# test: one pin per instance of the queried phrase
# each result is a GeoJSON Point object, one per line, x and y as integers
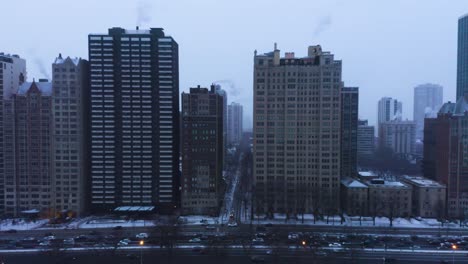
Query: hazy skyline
{"type": "Point", "coordinates": [387, 47]}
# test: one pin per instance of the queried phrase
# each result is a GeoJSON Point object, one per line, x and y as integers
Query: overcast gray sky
{"type": "Point", "coordinates": [387, 46]}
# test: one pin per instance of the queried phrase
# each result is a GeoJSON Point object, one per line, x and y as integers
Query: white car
{"type": "Point", "coordinates": [142, 235]}
{"type": "Point", "coordinates": [232, 224]}
{"type": "Point", "coordinates": [124, 242]}
{"type": "Point", "coordinates": [195, 240]}
{"type": "Point", "coordinates": [336, 245]}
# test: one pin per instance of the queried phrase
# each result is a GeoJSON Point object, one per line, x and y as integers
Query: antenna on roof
{"type": "Point", "coordinates": [137, 28]}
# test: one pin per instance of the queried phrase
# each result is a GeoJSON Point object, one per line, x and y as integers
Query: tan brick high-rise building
{"type": "Point", "coordinates": [297, 108]}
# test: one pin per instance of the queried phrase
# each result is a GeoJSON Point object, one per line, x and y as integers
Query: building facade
{"type": "Point", "coordinates": [400, 136]}
{"type": "Point", "coordinates": [297, 130]}
{"type": "Point", "coordinates": [389, 198]}
{"type": "Point", "coordinates": [202, 151]}
{"type": "Point", "coordinates": [389, 109]}
{"type": "Point", "coordinates": [134, 120]}
{"type": "Point", "coordinates": [354, 197]}
{"type": "Point", "coordinates": [349, 127]}
{"type": "Point", "coordinates": [365, 140]}
{"type": "Point", "coordinates": [28, 119]}
{"type": "Point", "coordinates": [234, 123]}
{"type": "Point", "coordinates": [428, 99]}
{"type": "Point", "coordinates": [428, 197]}
{"type": "Point", "coordinates": [12, 76]}
{"type": "Point", "coordinates": [446, 154]}
{"type": "Point", "coordinates": [69, 168]}
{"type": "Point", "coordinates": [462, 57]}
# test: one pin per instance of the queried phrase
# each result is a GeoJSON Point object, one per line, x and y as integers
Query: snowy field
{"type": "Point", "coordinates": [110, 223]}
{"type": "Point", "coordinates": [198, 220]}
{"type": "Point", "coordinates": [21, 224]}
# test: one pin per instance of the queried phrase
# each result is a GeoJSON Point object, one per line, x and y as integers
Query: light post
{"type": "Point", "coordinates": [454, 247]}
{"type": "Point", "coordinates": [142, 243]}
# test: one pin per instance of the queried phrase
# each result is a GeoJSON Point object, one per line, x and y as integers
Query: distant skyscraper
{"type": "Point", "coordinates": [462, 57]}
{"type": "Point", "coordinates": [70, 95]}
{"type": "Point", "coordinates": [134, 119]}
{"type": "Point", "coordinates": [427, 102]}
{"type": "Point", "coordinates": [12, 76]}
{"type": "Point", "coordinates": [389, 109]}
{"type": "Point", "coordinates": [400, 136]}
{"type": "Point", "coordinates": [349, 124]}
{"type": "Point", "coordinates": [202, 151]}
{"type": "Point", "coordinates": [366, 140]}
{"type": "Point", "coordinates": [234, 125]}
{"type": "Point", "coordinates": [446, 154]}
{"type": "Point", "coordinates": [27, 176]}
{"type": "Point", "coordinates": [297, 130]}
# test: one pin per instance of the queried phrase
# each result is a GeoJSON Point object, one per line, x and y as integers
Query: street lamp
{"type": "Point", "coordinates": [454, 247]}
{"type": "Point", "coordinates": [142, 243]}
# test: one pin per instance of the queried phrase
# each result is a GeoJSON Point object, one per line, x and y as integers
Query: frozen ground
{"type": "Point", "coordinates": [21, 224]}
{"type": "Point", "coordinates": [280, 219]}
{"type": "Point", "coordinates": [110, 223]}
{"type": "Point", "coordinates": [198, 220]}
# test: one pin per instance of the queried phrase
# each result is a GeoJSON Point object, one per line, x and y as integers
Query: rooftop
{"type": "Point", "coordinates": [421, 181]}
{"type": "Point", "coordinates": [353, 183]}
{"type": "Point", "coordinates": [60, 60]}
{"type": "Point", "coordinates": [44, 86]}
{"type": "Point", "coordinates": [458, 108]}
{"type": "Point", "coordinates": [386, 183]}
{"type": "Point", "coordinates": [367, 174]}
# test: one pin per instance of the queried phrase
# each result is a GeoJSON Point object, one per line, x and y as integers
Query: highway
{"type": "Point", "coordinates": [235, 255]}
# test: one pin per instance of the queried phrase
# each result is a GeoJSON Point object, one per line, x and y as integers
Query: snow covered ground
{"type": "Point", "coordinates": [21, 224]}
{"type": "Point", "coordinates": [198, 220]}
{"type": "Point", "coordinates": [110, 223]}
{"type": "Point", "coordinates": [280, 219]}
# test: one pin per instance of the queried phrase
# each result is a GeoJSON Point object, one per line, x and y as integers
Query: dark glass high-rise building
{"type": "Point", "coordinates": [462, 57]}
{"type": "Point", "coordinates": [349, 125]}
{"type": "Point", "coordinates": [134, 120]}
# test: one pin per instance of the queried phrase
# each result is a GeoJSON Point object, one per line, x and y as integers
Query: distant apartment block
{"type": "Point", "coordinates": [400, 136]}
{"type": "Point", "coordinates": [134, 120]}
{"type": "Point", "coordinates": [389, 109]}
{"type": "Point", "coordinates": [221, 92]}
{"type": "Point", "coordinates": [365, 140]}
{"type": "Point", "coordinates": [69, 106]}
{"type": "Point", "coordinates": [427, 102]}
{"type": "Point", "coordinates": [234, 123]}
{"type": "Point", "coordinates": [202, 151]}
{"type": "Point", "coordinates": [349, 130]}
{"type": "Point", "coordinates": [12, 76]}
{"type": "Point", "coordinates": [27, 125]}
{"type": "Point", "coordinates": [297, 131]}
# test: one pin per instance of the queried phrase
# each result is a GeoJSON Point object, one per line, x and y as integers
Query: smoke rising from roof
{"type": "Point", "coordinates": [143, 16]}
{"type": "Point", "coordinates": [42, 68]}
{"type": "Point", "coordinates": [323, 25]}
{"type": "Point", "coordinates": [229, 86]}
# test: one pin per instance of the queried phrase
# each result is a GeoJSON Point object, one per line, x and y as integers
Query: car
{"type": "Point", "coordinates": [44, 244]}
{"type": "Point", "coordinates": [261, 229]}
{"type": "Point", "coordinates": [257, 240]}
{"type": "Point", "coordinates": [210, 227]}
{"type": "Point", "coordinates": [124, 242]}
{"type": "Point", "coordinates": [195, 240]}
{"type": "Point", "coordinates": [269, 225]}
{"type": "Point", "coordinates": [257, 259]}
{"type": "Point", "coordinates": [131, 256]}
{"type": "Point", "coordinates": [117, 228]}
{"type": "Point", "coordinates": [335, 245]}
{"type": "Point", "coordinates": [389, 260]}
{"type": "Point", "coordinates": [269, 252]}
{"type": "Point", "coordinates": [49, 238]}
{"type": "Point", "coordinates": [321, 253]}
{"type": "Point", "coordinates": [232, 224]}
{"type": "Point", "coordinates": [141, 236]}
{"type": "Point", "coordinates": [11, 231]}
{"type": "Point", "coordinates": [69, 241]}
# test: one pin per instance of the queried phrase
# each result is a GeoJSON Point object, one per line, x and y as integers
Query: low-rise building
{"type": "Point", "coordinates": [428, 197]}
{"type": "Point", "coordinates": [354, 196]}
{"type": "Point", "coordinates": [389, 198]}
